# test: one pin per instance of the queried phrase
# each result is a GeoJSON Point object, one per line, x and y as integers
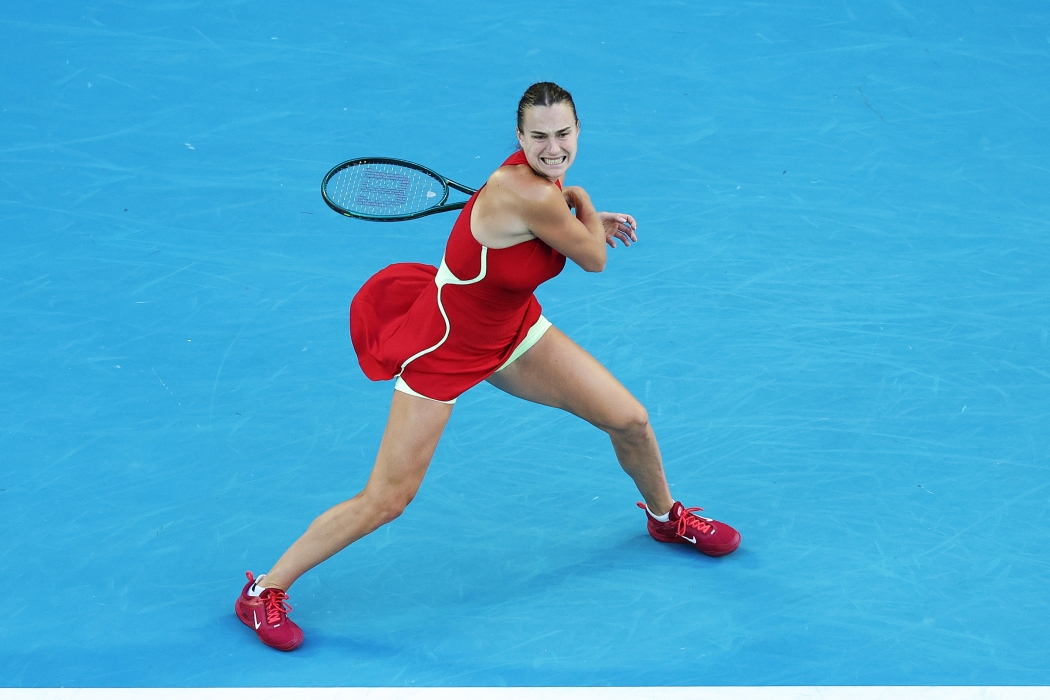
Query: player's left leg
{"type": "Point", "coordinates": [557, 372]}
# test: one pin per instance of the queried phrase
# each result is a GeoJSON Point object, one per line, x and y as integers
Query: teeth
{"type": "Point", "coordinates": [553, 161]}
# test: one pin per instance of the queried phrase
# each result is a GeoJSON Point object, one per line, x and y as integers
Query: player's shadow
{"type": "Point", "coordinates": [633, 552]}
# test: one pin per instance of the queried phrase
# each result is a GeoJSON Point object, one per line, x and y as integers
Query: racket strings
{"type": "Point", "coordinates": [383, 189]}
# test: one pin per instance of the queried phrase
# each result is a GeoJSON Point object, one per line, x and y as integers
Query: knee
{"type": "Point", "coordinates": [631, 423]}
{"type": "Point", "coordinates": [387, 505]}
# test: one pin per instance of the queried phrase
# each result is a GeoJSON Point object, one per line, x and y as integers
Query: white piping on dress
{"type": "Point", "coordinates": [444, 276]}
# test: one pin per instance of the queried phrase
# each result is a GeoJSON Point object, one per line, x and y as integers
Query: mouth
{"type": "Point", "coordinates": [553, 162]}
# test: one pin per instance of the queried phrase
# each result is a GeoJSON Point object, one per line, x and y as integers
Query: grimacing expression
{"type": "Point", "coordinates": [548, 137]}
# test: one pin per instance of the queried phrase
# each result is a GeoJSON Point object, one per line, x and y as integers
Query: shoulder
{"type": "Point", "coordinates": [519, 184]}
{"type": "Point", "coordinates": [516, 202]}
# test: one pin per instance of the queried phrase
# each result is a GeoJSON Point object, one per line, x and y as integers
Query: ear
{"type": "Point", "coordinates": [521, 139]}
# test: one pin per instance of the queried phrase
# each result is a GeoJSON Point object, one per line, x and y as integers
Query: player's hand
{"type": "Point", "coordinates": [622, 226]}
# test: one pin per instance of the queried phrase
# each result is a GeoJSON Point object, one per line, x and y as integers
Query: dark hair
{"type": "Point", "coordinates": [544, 95]}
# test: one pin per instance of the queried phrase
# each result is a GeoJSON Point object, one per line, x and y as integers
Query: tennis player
{"type": "Point", "coordinates": [440, 331]}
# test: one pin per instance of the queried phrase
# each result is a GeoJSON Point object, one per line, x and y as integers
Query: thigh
{"type": "Point", "coordinates": [413, 430]}
{"type": "Point", "coordinates": [557, 372]}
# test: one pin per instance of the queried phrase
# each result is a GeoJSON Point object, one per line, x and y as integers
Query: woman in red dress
{"type": "Point", "coordinates": [440, 331]}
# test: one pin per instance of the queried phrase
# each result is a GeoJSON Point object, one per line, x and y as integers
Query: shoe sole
{"type": "Point", "coordinates": [711, 553]}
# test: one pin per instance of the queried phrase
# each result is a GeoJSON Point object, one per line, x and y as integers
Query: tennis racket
{"type": "Point", "coordinates": [388, 189]}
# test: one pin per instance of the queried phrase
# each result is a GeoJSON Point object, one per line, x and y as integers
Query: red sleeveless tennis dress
{"type": "Point", "coordinates": [443, 330]}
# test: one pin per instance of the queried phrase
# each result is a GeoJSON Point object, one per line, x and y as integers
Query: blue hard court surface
{"type": "Point", "coordinates": [837, 317]}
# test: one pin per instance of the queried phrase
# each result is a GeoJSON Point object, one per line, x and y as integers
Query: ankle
{"type": "Point", "coordinates": [263, 582]}
{"type": "Point", "coordinates": [657, 515]}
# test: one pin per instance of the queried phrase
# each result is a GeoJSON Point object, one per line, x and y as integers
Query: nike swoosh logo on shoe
{"type": "Point", "coordinates": [256, 618]}
{"type": "Point", "coordinates": [690, 539]}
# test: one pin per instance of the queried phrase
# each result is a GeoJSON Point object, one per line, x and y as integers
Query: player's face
{"type": "Point", "coordinates": [548, 138]}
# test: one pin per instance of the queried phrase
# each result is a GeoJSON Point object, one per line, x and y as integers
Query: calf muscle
{"type": "Point", "coordinates": [412, 433]}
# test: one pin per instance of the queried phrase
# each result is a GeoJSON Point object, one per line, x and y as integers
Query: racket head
{"type": "Point", "coordinates": [384, 189]}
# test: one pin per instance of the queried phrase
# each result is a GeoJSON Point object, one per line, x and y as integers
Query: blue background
{"type": "Point", "coordinates": [837, 316]}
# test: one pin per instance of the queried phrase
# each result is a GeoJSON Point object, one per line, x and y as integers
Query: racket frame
{"type": "Point", "coordinates": [441, 206]}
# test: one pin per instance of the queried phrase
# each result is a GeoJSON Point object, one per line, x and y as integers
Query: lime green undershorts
{"type": "Point", "coordinates": [531, 338]}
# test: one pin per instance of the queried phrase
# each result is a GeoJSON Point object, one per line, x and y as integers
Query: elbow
{"type": "Point", "coordinates": [594, 264]}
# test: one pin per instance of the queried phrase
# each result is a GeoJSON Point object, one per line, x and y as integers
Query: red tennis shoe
{"type": "Point", "coordinates": [711, 537]}
{"type": "Point", "coordinates": [267, 614]}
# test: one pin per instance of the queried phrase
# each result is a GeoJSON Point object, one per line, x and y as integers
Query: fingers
{"type": "Point", "coordinates": [610, 238]}
{"type": "Point", "coordinates": [627, 225]}
{"type": "Point", "coordinates": [621, 226]}
{"type": "Point", "coordinates": [625, 230]}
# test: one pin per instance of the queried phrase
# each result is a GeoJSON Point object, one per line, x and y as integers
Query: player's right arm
{"type": "Point", "coordinates": [547, 213]}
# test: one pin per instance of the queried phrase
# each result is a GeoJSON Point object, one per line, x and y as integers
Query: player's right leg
{"type": "Point", "coordinates": [412, 432]}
